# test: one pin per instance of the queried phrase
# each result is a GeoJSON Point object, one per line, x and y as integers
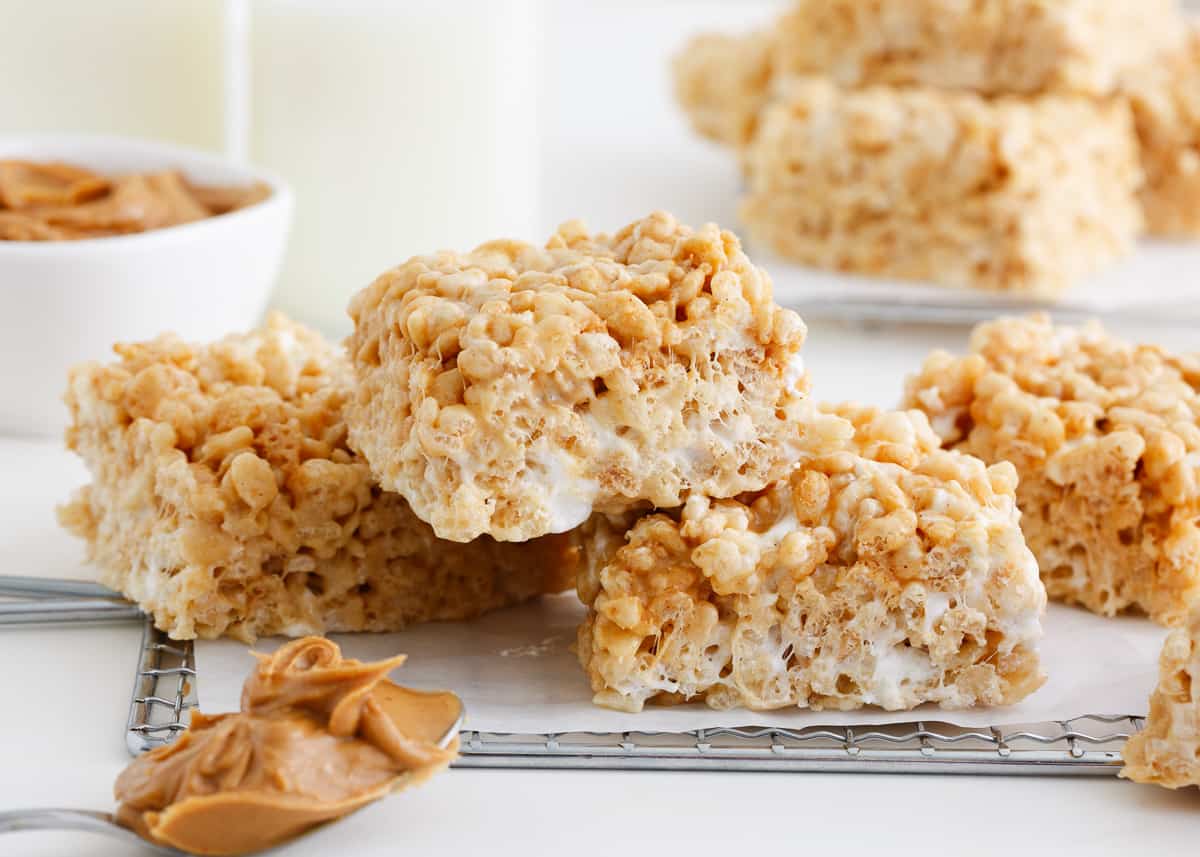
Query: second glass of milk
{"type": "Point", "coordinates": [404, 128]}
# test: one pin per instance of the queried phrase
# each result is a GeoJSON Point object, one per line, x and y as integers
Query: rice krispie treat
{"type": "Point", "coordinates": [1022, 195]}
{"type": "Point", "coordinates": [884, 571]}
{"type": "Point", "coordinates": [1106, 439]}
{"type": "Point", "coordinates": [1167, 751]}
{"type": "Point", "coordinates": [1165, 98]}
{"type": "Point", "coordinates": [723, 82]}
{"type": "Point", "coordinates": [992, 47]}
{"type": "Point", "coordinates": [224, 499]}
{"type": "Point", "coordinates": [513, 390]}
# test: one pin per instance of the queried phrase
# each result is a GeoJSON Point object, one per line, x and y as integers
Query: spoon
{"type": "Point", "coordinates": [105, 823]}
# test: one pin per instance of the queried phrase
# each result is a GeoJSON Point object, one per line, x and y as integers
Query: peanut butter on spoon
{"type": "Point", "coordinates": [318, 736]}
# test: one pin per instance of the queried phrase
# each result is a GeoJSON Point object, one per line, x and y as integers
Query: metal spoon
{"type": "Point", "coordinates": [105, 823]}
{"type": "Point", "coordinates": [87, 820]}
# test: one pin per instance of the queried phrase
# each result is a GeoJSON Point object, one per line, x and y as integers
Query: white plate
{"type": "Point", "coordinates": [1159, 283]}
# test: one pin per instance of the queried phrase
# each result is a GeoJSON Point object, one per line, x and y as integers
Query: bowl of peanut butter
{"type": "Point", "coordinates": [106, 239]}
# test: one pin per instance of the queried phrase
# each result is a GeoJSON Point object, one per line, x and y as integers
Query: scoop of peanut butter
{"type": "Point", "coordinates": [61, 202]}
{"type": "Point", "coordinates": [318, 737]}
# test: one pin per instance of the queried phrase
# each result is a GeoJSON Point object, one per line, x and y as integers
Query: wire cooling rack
{"type": "Point", "coordinates": [165, 693]}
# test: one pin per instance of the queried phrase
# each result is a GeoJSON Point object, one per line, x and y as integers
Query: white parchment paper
{"type": "Point", "coordinates": [516, 672]}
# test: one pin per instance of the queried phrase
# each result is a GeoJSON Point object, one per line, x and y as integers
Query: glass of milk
{"type": "Point", "coordinates": [403, 127]}
{"type": "Point", "coordinates": [142, 68]}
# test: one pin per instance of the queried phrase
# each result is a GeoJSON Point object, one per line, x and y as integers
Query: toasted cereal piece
{"type": "Point", "coordinates": [993, 47]}
{"type": "Point", "coordinates": [723, 82]}
{"type": "Point", "coordinates": [886, 571]}
{"type": "Point", "coordinates": [224, 499]}
{"type": "Point", "coordinates": [514, 389]}
{"type": "Point", "coordinates": [1106, 439]}
{"type": "Point", "coordinates": [1167, 751]}
{"type": "Point", "coordinates": [1021, 195]}
{"type": "Point", "coordinates": [1165, 98]}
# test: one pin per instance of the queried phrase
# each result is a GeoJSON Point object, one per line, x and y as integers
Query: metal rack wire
{"type": "Point", "coordinates": [1084, 745]}
{"type": "Point", "coordinates": [165, 693]}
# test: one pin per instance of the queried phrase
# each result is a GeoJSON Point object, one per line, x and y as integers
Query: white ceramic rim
{"type": "Point", "coordinates": [281, 192]}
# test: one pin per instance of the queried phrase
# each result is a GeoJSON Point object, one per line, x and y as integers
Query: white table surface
{"type": "Point", "coordinates": [65, 691]}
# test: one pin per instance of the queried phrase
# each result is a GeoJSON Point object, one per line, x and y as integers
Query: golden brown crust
{"type": "Point", "coordinates": [1009, 194]}
{"type": "Point", "coordinates": [1167, 751]}
{"type": "Point", "coordinates": [1165, 97]}
{"type": "Point", "coordinates": [514, 389]}
{"type": "Point", "coordinates": [225, 500]}
{"type": "Point", "coordinates": [883, 571]}
{"type": "Point", "coordinates": [993, 47]}
{"type": "Point", "coordinates": [1106, 439]}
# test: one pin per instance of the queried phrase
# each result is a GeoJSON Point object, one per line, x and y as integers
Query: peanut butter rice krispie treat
{"type": "Point", "coordinates": [723, 82]}
{"type": "Point", "coordinates": [224, 499]}
{"type": "Point", "coordinates": [514, 389]}
{"type": "Point", "coordinates": [1106, 439]}
{"type": "Point", "coordinates": [1165, 98]}
{"type": "Point", "coordinates": [993, 47]}
{"type": "Point", "coordinates": [1167, 751]}
{"type": "Point", "coordinates": [1021, 195]}
{"type": "Point", "coordinates": [884, 571]}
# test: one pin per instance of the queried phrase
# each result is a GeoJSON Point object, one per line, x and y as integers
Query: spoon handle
{"type": "Point", "coordinates": [17, 820]}
{"type": "Point", "coordinates": [55, 819]}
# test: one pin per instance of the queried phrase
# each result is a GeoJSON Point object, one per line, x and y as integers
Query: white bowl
{"type": "Point", "coordinates": [63, 302]}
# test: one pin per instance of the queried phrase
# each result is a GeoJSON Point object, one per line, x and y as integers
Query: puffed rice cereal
{"type": "Point", "coordinates": [1106, 438]}
{"type": "Point", "coordinates": [993, 47]}
{"type": "Point", "coordinates": [224, 499]}
{"type": "Point", "coordinates": [1014, 194]}
{"type": "Point", "coordinates": [513, 390]}
{"type": "Point", "coordinates": [1167, 750]}
{"type": "Point", "coordinates": [884, 571]}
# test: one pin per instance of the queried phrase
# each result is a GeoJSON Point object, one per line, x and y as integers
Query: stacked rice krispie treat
{"type": "Point", "coordinates": [744, 547]}
{"type": "Point", "coordinates": [993, 47]}
{"type": "Point", "coordinates": [1009, 194]}
{"type": "Point", "coordinates": [515, 390]}
{"type": "Point", "coordinates": [637, 399]}
{"type": "Point", "coordinates": [883, 571]}
{"type": "Point", "coordinates": [225, 499]}
{"type": "Point", "coordinates": [1167, 750]}
{"type": "Point", "coordinates": [956, 142]}
{"type": "Point", "coordinates": [1106, 439]}
{"type": "Point", "coordinates": [1165, 98]}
